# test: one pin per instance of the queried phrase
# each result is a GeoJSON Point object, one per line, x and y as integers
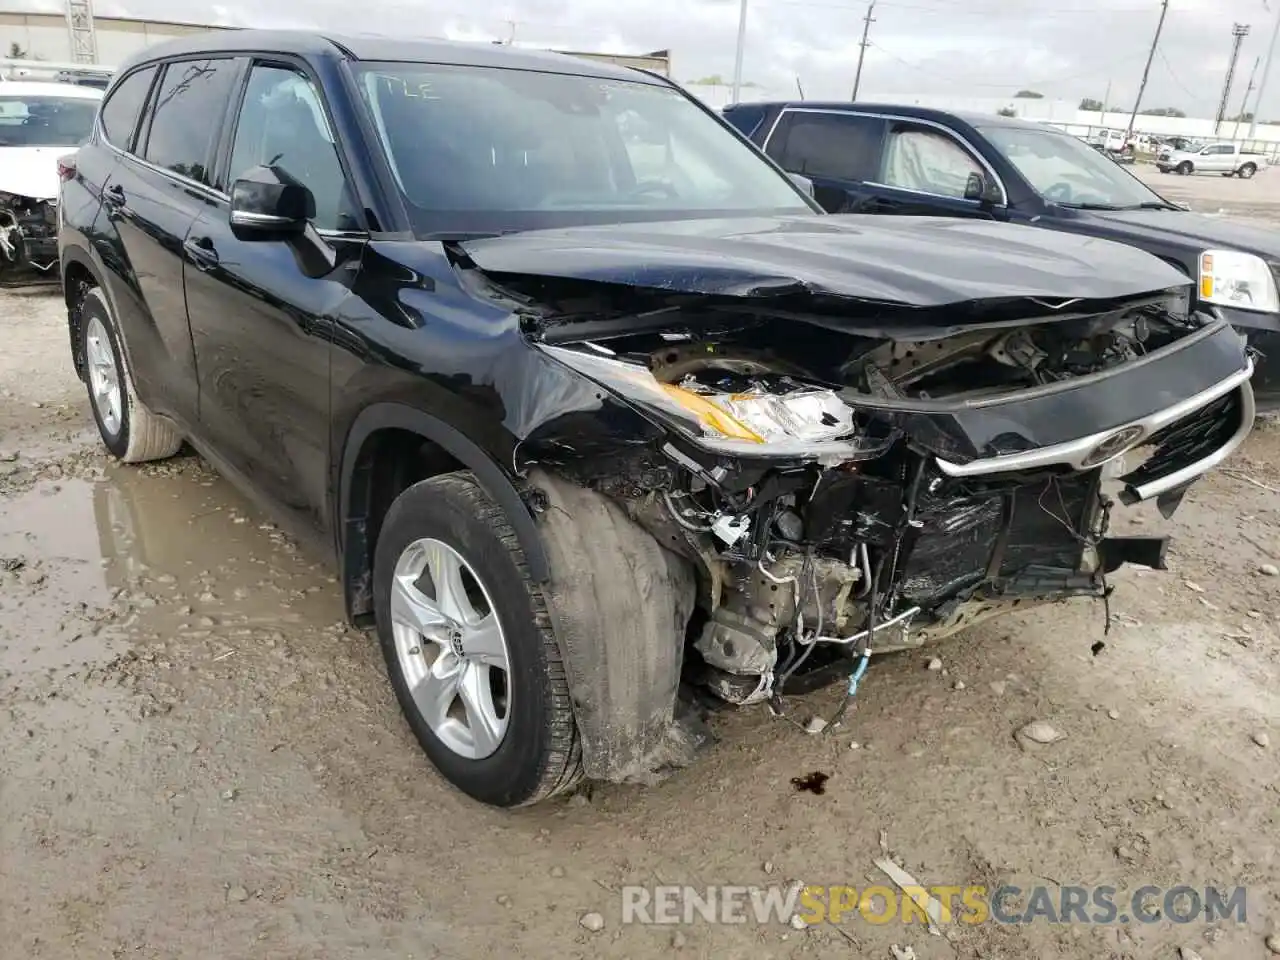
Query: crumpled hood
{"type": "Point", "coordinates": [914, 261]}
{"type": "Point", "coordinates": [31, 171]}
{"type": "Point", "coordinates": [1195, 229]}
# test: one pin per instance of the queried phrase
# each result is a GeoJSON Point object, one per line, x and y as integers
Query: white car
{"type": "Point", "coordinates": [1112, 140]}
{"type": "Point", "coordinates": [40, 122]}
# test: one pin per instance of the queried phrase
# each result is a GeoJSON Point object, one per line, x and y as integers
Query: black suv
{"type": "Point", "coordinates": [601, 419]}
{"type": "Point", "coordinates": [881, 158]}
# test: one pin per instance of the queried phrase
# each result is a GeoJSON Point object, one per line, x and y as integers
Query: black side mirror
{"type": "Point", "coordinates": [803, 182]}
{"type": "Point", "coordinates": [266, 203]}
{"type": "Point", "coordinates": [977, 188]}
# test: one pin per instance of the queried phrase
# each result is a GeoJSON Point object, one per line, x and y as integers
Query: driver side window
{"type": "Point", "coordinates": [282, 124]}
{"type": "Point", "coordinates": [927, 161]}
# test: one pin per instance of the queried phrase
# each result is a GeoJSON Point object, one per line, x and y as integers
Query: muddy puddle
{"type": "Point", "coordinates": [161, 558]}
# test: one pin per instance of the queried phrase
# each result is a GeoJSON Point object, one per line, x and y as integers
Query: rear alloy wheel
{"type": "Point", "coordinates": [469, 647]}
{"type": "Point", "coordinates": [1184, 167]}
{"type": "Point", "coordinates": [129, 431]}
{"type": "Point", "coordinates": [1247, 171]}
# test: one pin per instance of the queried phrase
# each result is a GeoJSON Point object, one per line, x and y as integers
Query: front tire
{"type": "Point", "coordinates": [129, 431]}
{"type": "Point", "coordinates": [1184, 168]}
{"type": "Point", "coordinates": [469, 647]}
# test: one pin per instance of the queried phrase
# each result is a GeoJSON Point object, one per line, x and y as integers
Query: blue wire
{"type": "Point", "coordinates": [857, 673]}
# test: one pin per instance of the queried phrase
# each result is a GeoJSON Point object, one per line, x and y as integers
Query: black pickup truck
{"type": "Point", "coordinates": [873, 158]}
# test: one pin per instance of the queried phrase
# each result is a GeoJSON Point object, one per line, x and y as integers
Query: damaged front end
{"type": "Point", "coordinates": [848, 477]}
{"type": "Point", "coordinates": [28, 239]}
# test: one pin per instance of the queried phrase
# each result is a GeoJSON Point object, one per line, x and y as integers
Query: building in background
{"type": "Point", "coordinates": [45, 36]}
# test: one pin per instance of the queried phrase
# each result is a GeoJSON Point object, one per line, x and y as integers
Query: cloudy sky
{"type": "Point", "coordinates": [990, 48]}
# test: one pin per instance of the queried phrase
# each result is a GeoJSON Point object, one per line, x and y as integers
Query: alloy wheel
{"type": "Point", "coordinates": [104, 377]}
{"type": "Point", "coordinates": [451, 648]}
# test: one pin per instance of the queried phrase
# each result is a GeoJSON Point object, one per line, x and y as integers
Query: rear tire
{"type": "Point", "coordinates": [130, 432]}
{"type": "Point", "coordinates": [1185, 168]}
{"type": "Point", "coordinates": [515, 742]}
{"type": "Point", "coordinates": [1247, 171]}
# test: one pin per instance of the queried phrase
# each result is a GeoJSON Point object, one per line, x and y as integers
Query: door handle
{"type": "Point", "coordinates": [201, 252]}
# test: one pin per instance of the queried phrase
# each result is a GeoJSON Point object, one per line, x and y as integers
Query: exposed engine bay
{"type": "Point", "coordinates": [871, 520]}
{"type": "Point", "coordinates": [854, 434]}
{"type": "Point", "coordinates": [28, 239]}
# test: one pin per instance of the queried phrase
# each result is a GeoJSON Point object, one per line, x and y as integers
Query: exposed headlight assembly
{"type": "Point", "coordinates": [1230, 278]}
{"type": "Point", "coordinates": [805, 422]}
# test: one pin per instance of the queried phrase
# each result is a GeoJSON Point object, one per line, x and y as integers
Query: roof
{"type": "Point", "coordinates": [905, 110]}
{"type": "Point", "coordinates": [376, 48]}
{"type": "Point", "coordinates": [48, 88]}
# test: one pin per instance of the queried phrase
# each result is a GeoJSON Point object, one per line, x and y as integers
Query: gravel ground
{"type": "Point", "coordinates": [199, 760]}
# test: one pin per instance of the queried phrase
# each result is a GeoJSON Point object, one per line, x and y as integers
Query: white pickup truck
{"type": "Point", "coordinates": [1227, 159]}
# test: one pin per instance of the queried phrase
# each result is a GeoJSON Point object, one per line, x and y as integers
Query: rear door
{"type": "Point", "coordinates": [157, 190]}
{"type": "Point", "coordinates": [839, 152]}
{"type": "Point", "coordinates": [258, 319]}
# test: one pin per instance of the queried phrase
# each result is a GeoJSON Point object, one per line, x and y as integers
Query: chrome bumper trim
{"type": "Point", "coordinates": [1074, 453]}
{"type": "Point", "coordinates": [1248, 410]}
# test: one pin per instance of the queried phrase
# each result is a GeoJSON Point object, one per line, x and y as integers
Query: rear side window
{"type": "Point", "coordinates": [189, 106]}
{"type": "Point", "coordinates": [839, 146]}
{"type": "Point", "coordinates": [123, 106]}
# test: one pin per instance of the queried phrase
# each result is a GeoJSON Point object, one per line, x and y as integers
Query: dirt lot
{"type": "Point", "coordinates": [199, 760]}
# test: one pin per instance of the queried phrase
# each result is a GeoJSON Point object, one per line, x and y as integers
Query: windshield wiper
{"type": "Point", "coordinates": [1155, 205]}
{"type": "Point", "coordinates": [1093, 206]}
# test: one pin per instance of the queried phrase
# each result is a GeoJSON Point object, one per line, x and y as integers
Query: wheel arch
{"type": "Point", "coordinates": [356, 498]}
{"type": "Point", "coordinates": [78, 272]}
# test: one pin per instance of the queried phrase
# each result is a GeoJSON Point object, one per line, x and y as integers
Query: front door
{"type": "Point", "coordinates": [1218, 158]}
{"type": "Point", "coordinates": [259, 319]}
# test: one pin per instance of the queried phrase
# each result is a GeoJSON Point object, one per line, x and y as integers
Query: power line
{"type": "Point", "coordinates": [1041, 82]}
{"type": "Point", "coordinates": [1174, 77]}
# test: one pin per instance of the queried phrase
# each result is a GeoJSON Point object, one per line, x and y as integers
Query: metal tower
{"type": "Point", "coordinates": [1238, 32]}
{"type": "Point", "coordinates": [84, 42]}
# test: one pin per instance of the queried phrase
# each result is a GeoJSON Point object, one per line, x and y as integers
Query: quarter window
{"type": "Point", "coordinates": [123, 106]}
{"type": "Point", "coordinates": [928, 162]}
{"type": "Point", "coordinates": [189, 107]}
{"type": "Point", "coordinates": [283, 125]}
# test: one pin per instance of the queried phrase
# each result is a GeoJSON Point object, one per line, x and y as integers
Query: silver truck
{"type": "Point", "coordinates": [1228, 159]}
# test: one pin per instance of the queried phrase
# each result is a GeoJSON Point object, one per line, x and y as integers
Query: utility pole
{"type": "Point", "coordinates": [1106, 98]}
{"type": "Point", "coordinates": [867, 21]}
{"type": "Point", "coordinates": [1266, 72]}
{"type": "Point", "coordinates": [1244, 102]}
{"type": "Point", "coordinates": [1146, 71]}
{"type": "Point", "coordinates": [1238, 32]}
{"type": "Point", "coordinates": [742, 45]}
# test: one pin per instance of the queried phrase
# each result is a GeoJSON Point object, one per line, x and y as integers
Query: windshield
{"type": "Point", "coordinates": [490, 150]}
{"type": "Point", "coordinates": [42, 121]}
{"type": "Point", "coordinates": [1063, 169]}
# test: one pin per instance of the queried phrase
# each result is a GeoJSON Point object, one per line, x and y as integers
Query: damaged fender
{"type": "Point", "coordinates": [619, 604]}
